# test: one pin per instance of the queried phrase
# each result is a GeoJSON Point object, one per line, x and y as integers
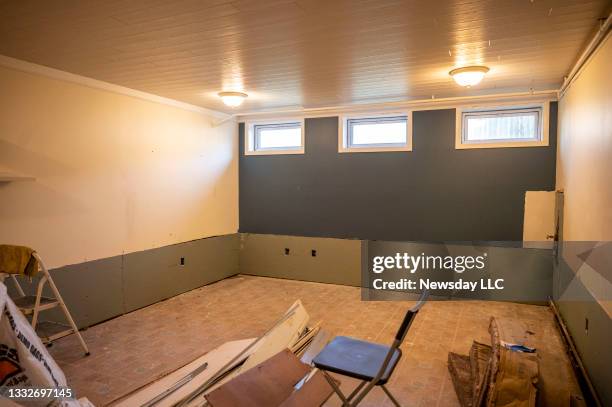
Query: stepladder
{"type": "Point", "coordinates": [32, 306]}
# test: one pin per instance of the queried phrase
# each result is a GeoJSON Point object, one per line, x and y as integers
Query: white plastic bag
{"type": "Point", "coordinates": [24, 361]}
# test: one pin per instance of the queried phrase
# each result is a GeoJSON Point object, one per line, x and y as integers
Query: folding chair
{"type": "Point", "coordinates": [369, 362]}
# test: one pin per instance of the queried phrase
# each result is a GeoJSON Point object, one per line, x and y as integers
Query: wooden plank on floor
{"type": "Point", "coordinates": [282, 337]}
{"type": "Point", "coordinates": [265, 385]}
{"type": "Point", "coordinates": [313, 392]}
{"type": "Point", "coordinates": [216, 359]}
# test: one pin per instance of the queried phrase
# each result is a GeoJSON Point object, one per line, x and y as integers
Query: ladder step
{"type": "Point", "coordinates": [26, 303]}
{"type": "Point", "coordinates": [49, 331]}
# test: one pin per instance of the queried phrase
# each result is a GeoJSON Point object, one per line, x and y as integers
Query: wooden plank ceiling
{"type": "Point", "coordinates": [302, 53]}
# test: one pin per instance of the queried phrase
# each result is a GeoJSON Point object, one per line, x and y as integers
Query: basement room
{"type": "Point", "coordinates": [303, 203]}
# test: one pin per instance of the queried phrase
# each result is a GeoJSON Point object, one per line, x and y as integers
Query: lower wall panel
{"type": "Point", "coordinates": [336, 261]}
{"type": "Point", "coordinates": [93, 291]}
{"type": "Point", "coordinates": [588, 319]}
{"type": "Point", "coordinates": [153, 275]}
{"type": "Point", "coordinates": [527, 272]}
{"type": "Point", "coordinates": [592, 344]}
{"type": "Point", "coordinates": [102, 289]}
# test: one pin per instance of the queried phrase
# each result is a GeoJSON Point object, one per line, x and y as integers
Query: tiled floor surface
{"type": "Point", "coordinates": [132, 350]}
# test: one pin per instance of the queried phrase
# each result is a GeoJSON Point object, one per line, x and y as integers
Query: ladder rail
{"type": "Point", "coordinates": [39, 289]}
{"type": "Point", "coordinates": [59, 298]}
{"type": "Point", "coordinates": [17, 285]}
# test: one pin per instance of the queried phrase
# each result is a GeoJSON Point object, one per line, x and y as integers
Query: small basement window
{"type": "Point", "coordinates": [374, 133]}
{"type": "Point", "coordinates": [502, 127]}
{"type": "Point", "coordinates": [276, 137]}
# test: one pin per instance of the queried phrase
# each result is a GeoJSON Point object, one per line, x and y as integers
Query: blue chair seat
{"type": "Point", "coordinates": [356, 358]}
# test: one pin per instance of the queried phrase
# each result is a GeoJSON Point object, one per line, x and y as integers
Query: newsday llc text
{"type": "Point", "coordinates": [412, 264]}
{"type": "Point", "coordinates": [428, 284]}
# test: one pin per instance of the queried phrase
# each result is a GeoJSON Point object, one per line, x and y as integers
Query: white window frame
{"type": "Point", "coordinates": [249, 137]}
{"type": "Point", "coordinates": [543, 125]}
{"type": "Point", "coordinates": [343, 142]}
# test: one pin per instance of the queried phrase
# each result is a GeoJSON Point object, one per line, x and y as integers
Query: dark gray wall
{"type": "Point", "coordinates": [102, 289]}
{"type": "Point", "coordinates": [434, 193]}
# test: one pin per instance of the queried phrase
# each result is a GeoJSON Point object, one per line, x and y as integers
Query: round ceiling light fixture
{"type": "Point", "coordinates": [232, 99]}
{"type": "Point", "coordinates": [469, 75]}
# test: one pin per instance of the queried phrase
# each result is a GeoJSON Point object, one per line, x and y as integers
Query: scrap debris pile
{"type": "Point", "coordinates": [272, 370]}
{"type": "Point", "coordinates": [511, 372]}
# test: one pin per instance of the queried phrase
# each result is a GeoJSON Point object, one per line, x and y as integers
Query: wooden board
{"type": "Point", "coordinates": [312, 393]}
{"type": "Point", "coordinates": [318, 343]}
{"type": "Point", "coordinates": [285, 334]}
{"type": "Point", "coordinates": [302, 343]}
{"type": "Point", "coordinates": [266, 385]}
{"type": "Point", "coordinates": [216, 359]}
{"type": "Point", "coordinates": [280, 338]}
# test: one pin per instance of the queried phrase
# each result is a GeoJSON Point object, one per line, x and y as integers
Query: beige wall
{"type": "Point", "coordinates": [584, 164]}
{"type": "Point", "coordinates": [113, 173]}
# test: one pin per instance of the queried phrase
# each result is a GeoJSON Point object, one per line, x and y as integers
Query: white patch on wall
{"type": "Point", "coordinates": [539, 220]}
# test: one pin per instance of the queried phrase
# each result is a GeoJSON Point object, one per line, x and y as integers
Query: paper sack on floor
{"type": "Point", "coordinates": [24, 360]}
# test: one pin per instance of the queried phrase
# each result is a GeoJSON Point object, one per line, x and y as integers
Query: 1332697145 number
{"type": "Point", "coordinates": [36, 392]}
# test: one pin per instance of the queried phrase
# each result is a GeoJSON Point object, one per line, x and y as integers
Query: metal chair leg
{"type": "Point", "coordinates": [346, 401]}
{"type": "Point", "coordinates": [359, 387]}
{"type": "Point", "coordinates": [337, 390]}
{"type": "Point", "coordinates": [390, 396]}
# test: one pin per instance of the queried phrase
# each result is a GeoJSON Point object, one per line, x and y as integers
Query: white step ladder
{"type": "Point", "coordinates": [34, 304]}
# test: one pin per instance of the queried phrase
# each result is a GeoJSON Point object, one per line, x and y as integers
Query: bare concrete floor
{"type": "Point", "coordinates": [132, 350]}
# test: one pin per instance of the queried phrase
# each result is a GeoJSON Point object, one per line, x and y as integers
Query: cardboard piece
{"type": "Point", "coordinates": [506, 375]}
{"type": "Point", "coordinates": [480, 359]}
{"type": "Point", "coordinates": [514, 375]}
{"type": "Point", "coordinates": [459, 368]}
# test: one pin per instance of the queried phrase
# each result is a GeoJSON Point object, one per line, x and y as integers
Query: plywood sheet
{"type": "Point", "coordinates": [312, 393]}
{"type": "Point", "coordinates": [265, 385]}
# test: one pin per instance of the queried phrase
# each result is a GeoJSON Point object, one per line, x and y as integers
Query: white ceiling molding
{"type": "Point", "coordinates": [601, 36]}
{"type": "Point", "coordinates": [414, 105]}
{"type": "Point", "coordinates": [29, 67]}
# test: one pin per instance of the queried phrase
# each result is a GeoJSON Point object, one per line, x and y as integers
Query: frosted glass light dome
{"type": "Point", "coordinates": [469, 76]}
{"type": "Point", "coordinates": [232, 99]}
